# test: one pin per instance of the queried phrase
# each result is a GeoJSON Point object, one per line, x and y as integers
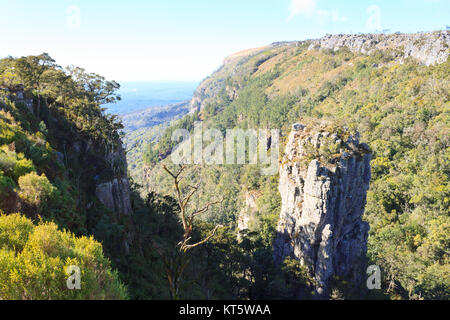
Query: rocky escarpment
{"type": "Point", "coordinates": [105, 178]}
{"type": "Point", "coordinates": [17, 95]}
{"type": "Point", "coordinates": [324, 178]}
{"type": "Point", "coordinates": [427, 48]}
{"type": "Point", "coordinates": [115, 195]}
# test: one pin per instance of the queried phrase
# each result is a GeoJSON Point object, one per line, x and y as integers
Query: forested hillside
{"type": "Point", "coordinates": [398, 104]}
{"type": "Point", "coordinates": [65, 201]}
{"type": "Point", "coordinates": [56, 146]}
{"type": "Point", "coordinates": [208, 231]}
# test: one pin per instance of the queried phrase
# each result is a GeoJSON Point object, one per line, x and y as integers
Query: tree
{"type": "Point", "coordinates": [175, 265]}
{"type": "Point", "coordinates": [96, 88]}
{"type": "Point", "coordinates": [9, 78]}
{"type": "Point", "coordinates": [32, 71]}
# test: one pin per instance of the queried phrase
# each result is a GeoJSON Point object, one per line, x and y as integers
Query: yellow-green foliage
{"type": "Point", "coordinates": [14, 164]}
{"type": "Point", "coordinates": [41, 176]}
{"type": "Point", "coordinates": [34, 260]}
{"type": "Point", "coordinates": [34, 188]}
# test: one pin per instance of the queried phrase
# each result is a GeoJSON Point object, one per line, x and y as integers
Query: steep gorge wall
{"type": "Point", "coordinates": [114, 194]}
{"type": "Point", "coordinates": [103, 173]}
{"type": "Point", "coordinates": [322, 204]}
{"type": "Point", "coordinates": [88, 170]}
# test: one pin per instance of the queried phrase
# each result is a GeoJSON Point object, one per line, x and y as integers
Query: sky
{"type": "Point", "coordinates": [186, 40]}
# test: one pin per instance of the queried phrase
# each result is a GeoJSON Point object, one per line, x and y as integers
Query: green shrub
{"type": "Point", "coordinates": [23, 167]}
{"type": "Point", "coordinates": [35, 189]}
{"type": "Point", "coordinates": [34, 260]}
{"type": "Point", "coordinates": [14, 232]}
{"type": "Point", "coordinates": [5, 182]}
{"type": "Point", "coordinates": [14, 164]}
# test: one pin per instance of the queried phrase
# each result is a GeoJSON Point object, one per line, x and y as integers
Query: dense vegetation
{"type": "Point", "coordinates": [34, 261]}
{"type": "Point", "coordinates": [46, 130]}
{"type": "Point", "coordinates": [47, 115]}
{"type": "Point", "coordinates": [222, 268]}
{"type": "Point", "coordinates": [401, 111]}
{"type": "Point", "coordinates": [56, 144]}
{"type": "Point", "coordinates": [143, 127]}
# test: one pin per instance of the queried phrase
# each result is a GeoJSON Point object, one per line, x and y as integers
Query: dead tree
{"type": "Point", "coordinates": [175, 264]}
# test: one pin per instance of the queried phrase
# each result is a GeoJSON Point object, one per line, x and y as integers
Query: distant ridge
{"type": "Point", "coordinates": [427, 48]}
{"type": "Point", "coordinates": [154, 116]}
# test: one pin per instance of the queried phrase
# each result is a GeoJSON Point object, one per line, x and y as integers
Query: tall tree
{"type": "Point", "coordinates": [32, 69]}
{"type": "Point", "coordinates": [8, 74]}
{"type": "Point", "coordinates": [96, 88]}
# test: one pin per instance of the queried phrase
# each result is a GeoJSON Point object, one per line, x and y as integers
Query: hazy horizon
{"type": "Point", "coordinates": [140, 95]}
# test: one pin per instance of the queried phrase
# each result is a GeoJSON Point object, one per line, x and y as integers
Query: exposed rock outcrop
{"type": "Point", "coordinates": [18, 95]}
{"type": "Point", "coordinates": [427, 48]}
{"type": "Point", "coordinates": [247, 213]}
{"type": "Point", "coordinates": [323, 198]}
{"type": "Point", "coordinates": [116, 194]}
{"type": "Point", "coordinates": [106, 175]}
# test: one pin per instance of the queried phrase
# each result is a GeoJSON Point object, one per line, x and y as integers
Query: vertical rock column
{"type": "Point", "coordinates": [323, 198]}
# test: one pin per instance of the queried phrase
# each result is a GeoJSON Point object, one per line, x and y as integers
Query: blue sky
{"type": "Point", "coordinates": [186, 40]}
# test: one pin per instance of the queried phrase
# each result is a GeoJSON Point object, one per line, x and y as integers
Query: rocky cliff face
{"type": "Point", "coordinates": [105, 176]}
{"type": "Point", "coordinates": [323, 198]}
{"type": "Point", "coordinates": [115, 194]}
{"type": "Point", "coordinates": [427, 48]}
{"type": "Point", "coordinates": [18, 96]}
{"type": "Point", "coordinates": [114, 191]}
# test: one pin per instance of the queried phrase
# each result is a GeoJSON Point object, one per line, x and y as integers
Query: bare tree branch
{"type": "Point", "coordinates": [186, 247]}
{"type": "Point", "coordinates": [205, 208]}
